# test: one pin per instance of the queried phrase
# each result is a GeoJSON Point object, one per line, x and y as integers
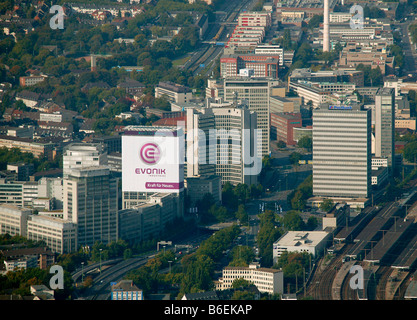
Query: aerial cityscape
{"type": "Point", "coordinates": [171, 150]}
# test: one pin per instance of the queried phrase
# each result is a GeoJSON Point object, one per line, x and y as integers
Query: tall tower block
{"type": "Point", "coordinates": [326, 31]}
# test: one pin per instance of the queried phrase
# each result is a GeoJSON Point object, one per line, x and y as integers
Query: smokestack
{"type": "Point", "coordinates": [93, 63]}
{"type": "Point", "coordinates": [326, 31]}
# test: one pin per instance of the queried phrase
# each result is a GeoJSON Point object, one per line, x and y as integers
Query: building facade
{"type": "Point", "coordinates": [256, 92]}
{"type": "Point", "coordinates": [59, 235]}
{"type": "Point", "coordinates": [342, 151]}
{"type": "Point", "coordinates": [282, 125]}
{"type": "Point", "coordinates": [266, 280]}
{"type": "Point", "coordinates": [79, 155]}
{"type": "Point", "coordinates": [91, 201]}
{"type": "Point", "coordinates": [385, 125]}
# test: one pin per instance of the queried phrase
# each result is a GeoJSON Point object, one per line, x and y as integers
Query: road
{"type": "Point", "coordinates": [410, 54]}
{"type": "Point", "coordinates": [115, 270]}
{"type": "Point", "coordinates": [204, 58]}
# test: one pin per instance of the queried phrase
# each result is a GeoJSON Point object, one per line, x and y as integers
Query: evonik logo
{"type": "Point", "coordinates": [150, 153]}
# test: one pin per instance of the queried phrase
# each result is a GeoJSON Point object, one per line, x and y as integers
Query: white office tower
{"type": "Point", "coordinates": [79, 155]}
{"type": "Point", "coordinates": [256, 92]}
{"type": "Point", "coordinates": [90, 201]}
{"type": "Point", "coordinates": [385, 125]}
{"type": "Point", "coordinates": [342, 151]}
{"type": "Point", "coordinates": [231, 143]}
{"type": "Point", "coordinates": [326, 30]}
{"type": "Point", "coordinates": [201, 155]}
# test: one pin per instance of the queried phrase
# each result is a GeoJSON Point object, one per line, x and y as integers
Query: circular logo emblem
{"type": "Point", "coordinates": [150, 153]}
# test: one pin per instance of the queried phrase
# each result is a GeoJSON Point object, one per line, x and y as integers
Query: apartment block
{"type": "Point", "coordinates": [173, 92]}
{"type": "Point", "coordinates": [38, 149]}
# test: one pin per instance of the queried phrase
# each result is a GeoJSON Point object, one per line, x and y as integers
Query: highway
{"type": "Point", "coordinates": [115, 270]}
{"type": "Point", "coordinates": [410, 54]}
{"type": "Point", "coordinates": [204, 58]}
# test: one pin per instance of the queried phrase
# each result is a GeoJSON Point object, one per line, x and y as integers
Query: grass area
{"type": "Point", "coordinates": [181, 61]}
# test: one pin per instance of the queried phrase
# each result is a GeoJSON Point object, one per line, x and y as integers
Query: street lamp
{"type": "Point", "coordinates": [100, 260]}
{"type": "Point", "coordinates": [82, 271]}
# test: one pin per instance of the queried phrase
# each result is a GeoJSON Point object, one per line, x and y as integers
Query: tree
{"type": "Point", "coordinates": [410, 151]}
{"type": "Point", "coordinates": [241, 283]}
{"type": "Point", "coordinates": [295, 157]}
{"type": "Point", "coordinates": [305, 142]}
{"type": "Point", "coordinates": [326, 205]}
{"type": "Point", "coordinates": [242, 256]}
{"type": "Point", "coordinates": [293, 221]}
{"type": "Point", "coordinates": [315, 21]}
{"type": "Point", "coordinates": [267, 235]}
{"type": "Point", "coordinates": [241, 214]}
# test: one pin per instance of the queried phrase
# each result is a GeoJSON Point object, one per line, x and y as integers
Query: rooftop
{"type": "Point", "coordinates": [297, 238]}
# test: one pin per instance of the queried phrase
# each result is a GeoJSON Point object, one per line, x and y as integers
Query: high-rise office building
{"type": "Point", "coordinates": [385, 125]}
{"type": "Point", "coordinates": [90, 201]}
{"type": "Point", "coordinates": [326, 30]}
{"type": "Point", "coordinates": [78, 155]}
{"type": "Point", "coordinates": [256, 92]}
{"type": "Point", "coordinates": [342, 151]}
{"type": "Point", "coordinates": [230, 146]}
{"type": "Point", "coordinates": [200, 156]}
{"type": "Point", "coordinates": [153, 162]}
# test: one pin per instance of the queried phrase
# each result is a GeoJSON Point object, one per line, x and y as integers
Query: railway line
{"type": "Point", "coordinates": [382, 242]}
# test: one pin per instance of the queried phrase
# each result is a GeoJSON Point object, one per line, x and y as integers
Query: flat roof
{"type": "Point", "coordinates": [305, 238]}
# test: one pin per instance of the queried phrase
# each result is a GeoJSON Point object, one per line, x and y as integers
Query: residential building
{"type": "Point", "coordinates": [31, 80]}
{"type": "Point", "coordinates": [38, 149]}
{"type": "Point", "coordinates": [173, 92]}
{"type": "Point", "coordinates": [21, 263]}
{"type": "Point", "coordinates": [126, 290]}
{"type": "Point", "coordinates": [342, 151]}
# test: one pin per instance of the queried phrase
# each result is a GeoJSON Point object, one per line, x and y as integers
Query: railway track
{"type": "Point", "coordinates": [321, 285]}
{"type": "Point", "coordinates": [382, 276]}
